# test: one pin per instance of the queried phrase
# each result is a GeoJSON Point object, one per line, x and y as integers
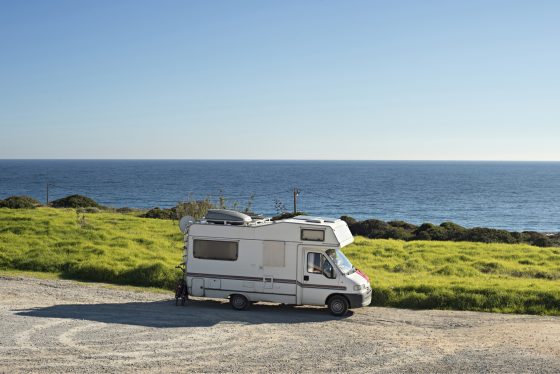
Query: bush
{"type": "Point", "coordinates": [75, 201]}
{"type": "Point", "coordinates": [349, 220]}
{"type": "Point", "coordinates": [159, 213]}
{"type": "Point", "coordinates": [484, 235]}
{"type": "Point", "coordinates": [447, 231]}
{"type": "Point", "coordinates": [126, 210]}
{"type": "Point", "coordinates": [427, 231]}
{"type": "Point", "coordinates": [453, 231]}
{"type": "Point", "coordinates": [19, 202]}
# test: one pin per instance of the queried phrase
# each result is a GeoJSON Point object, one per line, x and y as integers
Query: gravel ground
{"type": "Point", "coordinates": [63, 326]}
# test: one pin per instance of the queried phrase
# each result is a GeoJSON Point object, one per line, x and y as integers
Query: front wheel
{"type": "Point", "coordinates": [238, 302]}
{"type": "Point", "coordinates": [338, 305]}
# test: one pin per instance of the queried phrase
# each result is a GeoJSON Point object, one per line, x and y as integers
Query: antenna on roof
{"type": "Point", "coordinates": [185, 222]}
{"type": "Point", "coordinates": [296, 194]}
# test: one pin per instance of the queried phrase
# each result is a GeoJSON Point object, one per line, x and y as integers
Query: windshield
{"type": "Point", "coordinates": [341, 261]}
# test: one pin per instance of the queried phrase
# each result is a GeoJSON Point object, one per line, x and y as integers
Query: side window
{"type": "Point", "coordinates": [215, 250]}
{"type": "Point", "coordinates": [314, 262]}
{"type": "Point", "coordinates": [318, 264]}
{"type": "Point", "coordinates": [313, 235]}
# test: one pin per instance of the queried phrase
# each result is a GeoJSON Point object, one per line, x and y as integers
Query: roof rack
{"type": "Point", "coordinates": [227, 217]}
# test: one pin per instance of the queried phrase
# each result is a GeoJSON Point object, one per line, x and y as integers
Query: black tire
{"type": "Point", "coordinates": [238, 302]}
{"type": "Point", "coordinates": [180, 293]}
{"type": "Point", "coordinates": [338, 305]}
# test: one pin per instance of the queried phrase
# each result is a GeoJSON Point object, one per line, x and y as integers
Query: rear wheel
{"type": "Point", "coordinates": [238, 302]}
{"type": "Point", "coordinates": [338, 305]}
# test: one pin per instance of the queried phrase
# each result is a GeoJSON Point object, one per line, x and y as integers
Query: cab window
{"type": "Point", "coordinates": [317, 263]}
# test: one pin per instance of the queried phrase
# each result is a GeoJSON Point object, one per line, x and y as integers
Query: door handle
{"type": "Point", "coordinates": [306, 277]}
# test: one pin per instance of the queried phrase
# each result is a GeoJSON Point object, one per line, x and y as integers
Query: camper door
{"type": "Point", "coordinates": [320, 277]}
{"type": "Point", "coordinates": [278, 276]}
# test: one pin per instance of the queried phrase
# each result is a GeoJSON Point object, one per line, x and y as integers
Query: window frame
{"type": "Point", "coordinates": [213, 258]}
{"type": "Point", "coordinates": [321, 271]}
{"type": "Point", "coordinates": [322, 231]}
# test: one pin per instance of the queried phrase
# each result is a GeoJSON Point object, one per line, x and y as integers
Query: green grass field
{"type": "Point", "coordinates": [124, 249]}
{"type": "Point", "coordinates": [106, 247]}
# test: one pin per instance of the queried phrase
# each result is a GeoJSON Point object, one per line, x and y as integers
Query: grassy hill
{"type": "Point", "coordinates": [107, 247]}
{"type": "Point", "coordinates": [126, 249]}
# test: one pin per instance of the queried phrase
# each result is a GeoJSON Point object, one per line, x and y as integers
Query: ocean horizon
{"type": "Point", "coordinates": [513, 195]}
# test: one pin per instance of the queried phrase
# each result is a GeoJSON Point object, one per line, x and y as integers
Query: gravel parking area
{"type": "Point", "coordinates": [63, 326]}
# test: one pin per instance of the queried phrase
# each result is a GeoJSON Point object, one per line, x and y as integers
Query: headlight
{"type": "Point", "coordinates": [359, 287]}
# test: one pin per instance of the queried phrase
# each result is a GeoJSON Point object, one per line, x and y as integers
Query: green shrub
{"type": "Point", "coordinates": [484, 235]}
{"type": "Point", "coordinates": [159, 213]}
{"type": "Point", "coordinates": [126, 210]}
{"type": "Point", "coordinates": [75, 201]}
{"type": "Point", "coordinates": [447, 231]}
{"type": "Point", "coordinates": [349, 220]}
{"type": "Point", "coordinates": [427, 231]}
{"type": "Point", "coordinates": [403, 225]}
{"type": "Point", "coordinates": [19, 202]}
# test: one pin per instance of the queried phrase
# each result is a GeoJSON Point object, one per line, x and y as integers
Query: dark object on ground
{"type": "Point", "coordinates": [19, 202]}
{"type": "Point", "coordinates": [75, 201]}
{"type": "Point", "coordinates": [447, 231]}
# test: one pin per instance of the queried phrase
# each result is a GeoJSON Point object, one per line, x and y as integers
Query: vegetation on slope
{"type": "Point", "coordinates": [106, 247]}
{"type": "Point", "coordinates": [447, 231]}
{"type": "Point", "coordinates": [465, 276]}
{"type": "Point", "coordinates": [126, 249]}
{"type": "Point", "coordinates": [75, 201]}
{"type": "Point", "coordinates": [19, 202]}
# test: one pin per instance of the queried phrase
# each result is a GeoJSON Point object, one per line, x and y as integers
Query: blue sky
{"type": "Point", "coordinates": [471, 80]}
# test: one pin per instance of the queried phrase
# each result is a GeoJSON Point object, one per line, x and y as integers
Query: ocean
{"type": "Point", "coordinates": [510, 195]}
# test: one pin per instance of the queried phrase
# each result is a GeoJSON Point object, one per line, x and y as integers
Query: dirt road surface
{"type": "Point", "coordinates": [67, 327]}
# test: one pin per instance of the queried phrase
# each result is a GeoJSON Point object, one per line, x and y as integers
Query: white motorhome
{"type": "Point", "coordinates": [291, 261]}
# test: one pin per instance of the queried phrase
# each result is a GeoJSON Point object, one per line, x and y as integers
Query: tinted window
{"type": "Point", "coordinates": [215, 250]}
{"type": "Point", "coordinates": [318, 264]}
{"type": "Point", "coordinates": [313, 235]}
{"type": "Point", "coordinates": [314, 262]}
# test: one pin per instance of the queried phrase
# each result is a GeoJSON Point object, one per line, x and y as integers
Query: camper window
{"type": "Point", "coordinates": [318, 264]}
{"type": "Point", "coordinates": [215, 250]}
{"type": "Point", "coordinates": [313, 235]}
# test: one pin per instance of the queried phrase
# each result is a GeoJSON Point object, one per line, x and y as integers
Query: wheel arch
{"type": "Point", "coordinates": [240, 293]}
{"type": "Point", "coordinates": [336, 294]}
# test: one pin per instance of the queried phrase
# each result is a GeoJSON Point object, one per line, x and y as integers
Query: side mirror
{"type": "Point", "coordinates": [328, 270]}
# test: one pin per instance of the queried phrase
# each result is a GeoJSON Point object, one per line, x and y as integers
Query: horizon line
{"type": "Point", "coordinates": [269, 159]}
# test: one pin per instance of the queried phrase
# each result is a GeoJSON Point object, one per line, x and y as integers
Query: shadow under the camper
{"type": "Point", "coordinates": [196, 313]}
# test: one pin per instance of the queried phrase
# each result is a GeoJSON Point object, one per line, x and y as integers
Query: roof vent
{"type": "Point", "coordinates": [225, 216]}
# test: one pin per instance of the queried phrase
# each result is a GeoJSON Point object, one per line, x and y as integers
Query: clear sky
{"type": "Point", "coordinates": [470, 80]}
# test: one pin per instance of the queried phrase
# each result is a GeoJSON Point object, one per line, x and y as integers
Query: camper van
{"type": "Point", "coordinates": [296, 261]}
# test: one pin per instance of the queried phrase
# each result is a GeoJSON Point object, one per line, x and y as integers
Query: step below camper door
{"type": "Point", "coordinates": [197, 287]}
{"type": "Point", "coordinates": [319, 279]}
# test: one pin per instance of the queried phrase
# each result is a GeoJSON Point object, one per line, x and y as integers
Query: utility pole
{"type": "Point", "coordinates": [296, 194]}
{"type": "Point", "coordinates": [48, 191]}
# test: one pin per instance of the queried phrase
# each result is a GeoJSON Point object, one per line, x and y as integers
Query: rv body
{"type": "Point", "coordinates": [293, 261]}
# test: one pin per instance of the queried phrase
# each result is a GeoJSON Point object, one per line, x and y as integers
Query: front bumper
{"type": "Point", "coordinates": [359, 299]}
